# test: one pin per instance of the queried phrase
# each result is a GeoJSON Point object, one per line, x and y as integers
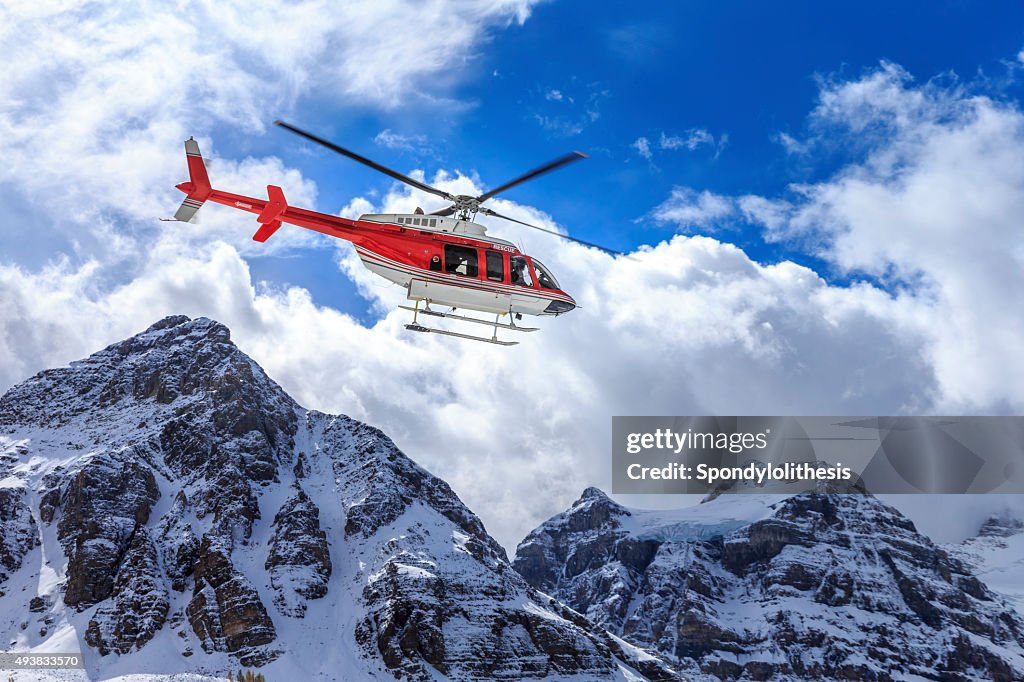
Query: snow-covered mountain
{"type": "Point", "coordinates": [165, 507]}
{"type": "Point", "coordinates": [756, 587]}
{"type": "Point", "coordinates": [996, 555]}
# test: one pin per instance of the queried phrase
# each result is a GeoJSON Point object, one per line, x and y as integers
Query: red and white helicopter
{"type": "Point", "coordinates": [442, 257]}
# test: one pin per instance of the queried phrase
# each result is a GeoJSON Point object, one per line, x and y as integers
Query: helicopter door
{"type": "Point", "coordinates": [495, 262]}
{"type": "Point", "coordinates": [520, 271]}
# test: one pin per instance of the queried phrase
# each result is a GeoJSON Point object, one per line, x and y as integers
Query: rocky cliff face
{"type": "Point", "coordinates": [166, 507]}
{"type": "Point", "coordinates": [809, 587]}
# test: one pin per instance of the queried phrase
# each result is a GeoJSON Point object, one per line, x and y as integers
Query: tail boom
{"type": "Point", "coordinates": [271, 212]}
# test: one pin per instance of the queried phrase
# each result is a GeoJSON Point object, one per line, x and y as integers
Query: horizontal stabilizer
{"type": "Point", "coordinates": [270, 216]}
{"type": "Point", "coordinates": [266, 231]}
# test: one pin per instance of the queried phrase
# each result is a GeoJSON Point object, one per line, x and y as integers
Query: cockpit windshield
{"type": "Point", "coordinates": [544, 276]}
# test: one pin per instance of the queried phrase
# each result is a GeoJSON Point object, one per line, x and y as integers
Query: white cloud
{"type": "Point", "coordinates": [935, 205]}
{"type": "Point", "coordinates": [96, 99]}
{"type": "Point", "coordinates": [770, 213]}
{"type": "Point", "coordinates": [643, 147]}
{"type": "Point", "coordinates": [392, 140]}
{"type": "Point", "coordinates": [568, 117]}
{"type": "Point", "coordinates": [791, 144]}
{"type": "Point", "coordinates": [689, 209]}
{"type": "Point", "coordinates": [695, 325]}
{"type": "Point", "coordinates": [693, 139]}
{"type": "Point", "coordinates": [690, 141]}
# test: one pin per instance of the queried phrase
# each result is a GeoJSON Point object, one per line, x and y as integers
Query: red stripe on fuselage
{"type": "Point", "coordinates": [465, 282]}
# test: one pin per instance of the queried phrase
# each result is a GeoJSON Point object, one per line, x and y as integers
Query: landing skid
{"type": "Point", "coordinates": [445, 332]}
{"type": "Point", "coordinates": [417, 327]}
{"type": "Point", "coordinates": [463, 318]}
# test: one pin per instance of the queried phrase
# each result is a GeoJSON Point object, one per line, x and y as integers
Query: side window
{"type": "Point", "coordinates": [495, 266]}
{"type": "Point", "coordinates": [461, 260]}
{"type": "Point", "coordinates": [520, 271]}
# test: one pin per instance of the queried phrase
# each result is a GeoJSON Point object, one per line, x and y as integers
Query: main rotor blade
{"type": "Point", "coordinates": [487, 211]}
{"type": "Point", "coordinates": [546, 168]}
{"type": "Point", "coordinates": [366, 162]}
{"type": "Point", "coordinates": [443, 211]}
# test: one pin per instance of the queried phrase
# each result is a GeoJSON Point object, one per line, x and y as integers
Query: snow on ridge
{"type": "Point", "coordinates": [148, 480]}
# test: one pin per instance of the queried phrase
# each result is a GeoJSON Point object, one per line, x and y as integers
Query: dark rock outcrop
{"type": "Point", "coordinates": [813, 586]}
{"type": "Point", "coordinates": [18, 532]}
{"type": "Point", "coordinates": [139, 605]}
{"type": "Point", "coordinates": [103, 506]}
{"type": "Point", "coordinates": [300, 559]}
{"type": "Point", "coordinates": [226, 611]}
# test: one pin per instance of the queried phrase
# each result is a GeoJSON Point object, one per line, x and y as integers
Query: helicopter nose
{"type": "Point", "coordinates": [559, 307]}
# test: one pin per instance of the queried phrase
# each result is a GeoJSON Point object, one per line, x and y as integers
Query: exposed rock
{"type": "Point", "coordinates": [140, 602]}
{"type": "Point", "coordinates": [18, 530]}
{"type": "Point", "coordinates": [299, 562]}
{"type": "Point", "coordinates": [105, 503]}
{"type": "Point", "coordinates": [226, 612]}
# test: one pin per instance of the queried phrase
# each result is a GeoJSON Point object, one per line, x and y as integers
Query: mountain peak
{"type": "Point", "coordinates": [1001, 526]}
{"type": "Point", "coordinates": [183, 325]}
{"type": "Point", "coordinates": [168, 322]}
{"type": "Point", "coordinates": [594, 493]}
{"type": "Point", "coordinates": [197, 510]}
{"type": "Point", "coordinates": [174, 359]}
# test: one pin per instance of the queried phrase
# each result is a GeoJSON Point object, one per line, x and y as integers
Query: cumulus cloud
{"type": "Point", "coordinates": [693, 325]}
{"type": "Point", "coordinates": [696, 325]}
{"type": "Point", "coordinates": [96, 98]}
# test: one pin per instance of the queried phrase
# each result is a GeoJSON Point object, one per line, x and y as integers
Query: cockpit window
{"type": "Point", "coordinates": [544, 276]}
{"type": "Point", "coordinates": [520, 271]}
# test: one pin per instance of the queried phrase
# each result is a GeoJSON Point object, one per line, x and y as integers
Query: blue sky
{"type": "Point", "coordinates": [596, 77]}
{"type": "Point", "coordinates": [826, 199]}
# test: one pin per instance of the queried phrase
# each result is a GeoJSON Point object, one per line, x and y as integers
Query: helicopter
{"type": "Point", "coordinates": [442, 258]}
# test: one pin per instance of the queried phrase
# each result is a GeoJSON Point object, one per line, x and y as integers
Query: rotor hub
{"type": "Point", "coordinates": [466, 206]}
